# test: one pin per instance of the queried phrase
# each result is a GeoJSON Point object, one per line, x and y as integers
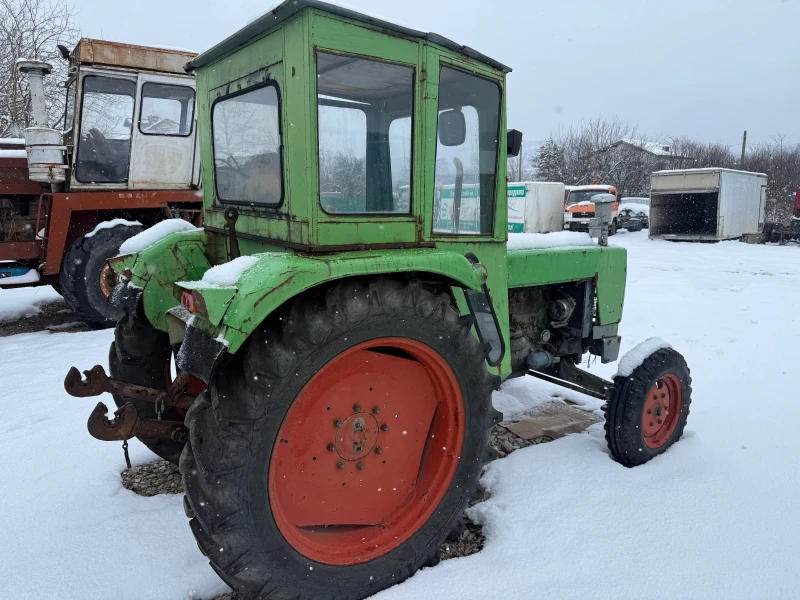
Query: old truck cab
{"type": "Point", "coordinates": [579, 209]}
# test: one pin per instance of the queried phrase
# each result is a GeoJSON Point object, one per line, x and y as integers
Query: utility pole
{"type": "Point", "coordinates": [519, 165]}
{"type": "Point", "coordinates": [744, 147]}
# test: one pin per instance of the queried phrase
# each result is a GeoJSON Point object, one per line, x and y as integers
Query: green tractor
{"type": "Point", "coordinates": [320, 357]}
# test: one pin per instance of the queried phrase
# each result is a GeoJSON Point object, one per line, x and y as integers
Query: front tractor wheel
{"type": "Point", "coordinates": [332, 456]}
{"type": "Point", "coordinates": [86, 280]}
{"type": "Point", "coordinates": [648, 409]}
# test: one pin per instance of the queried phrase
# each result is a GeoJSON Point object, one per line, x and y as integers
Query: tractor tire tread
{"type": "Point", "coordinates": [237, 405]}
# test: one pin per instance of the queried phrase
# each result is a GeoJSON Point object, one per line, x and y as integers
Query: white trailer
{"type": "Point", "coordinates": [706, 204]}
{"type": "Point", "coordinates": [535, 207]}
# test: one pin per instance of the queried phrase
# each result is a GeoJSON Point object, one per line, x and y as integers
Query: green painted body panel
{"type": "Point", "coordinates": [607, 265]}
{"type": "Point", "coordinates": [279, 276]}
{"type": "Point", "coordinates": [300, 245]}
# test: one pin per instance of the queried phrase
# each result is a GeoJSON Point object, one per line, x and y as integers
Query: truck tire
{"type": "Point", "coordinates": [305, 452]}
{"type": "Point", "coordinates": [140, 354]}
{"type": "Point", "coordinates": [83, 284]}
{"type": "Point", "coordinates": [648, 410]}
{"type": "Point", "coordinates": [612, 230]}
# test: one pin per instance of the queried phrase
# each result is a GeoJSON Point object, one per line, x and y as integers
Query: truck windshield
{"type": "Point", "coordinates": [104, 149]}
{"type": "Point", "coordinates": [364, 119]}
{"type": "Point", "coordinates": [577, 196]}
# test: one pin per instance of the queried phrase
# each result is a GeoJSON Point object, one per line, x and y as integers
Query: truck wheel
{"type": "Point", "coordinates": [333, 454]}
{"type": "Point", "coordinates": [612, 230]}
{"type": "Point", "coordinates": [648, 410]}
{"type": "Point", "coordinates": [142, 355]}
{"type": "Point", "coordinates": [86, 281]}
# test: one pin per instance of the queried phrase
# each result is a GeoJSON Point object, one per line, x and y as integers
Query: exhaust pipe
{"type": "Point", "coordinates": [42, 143]}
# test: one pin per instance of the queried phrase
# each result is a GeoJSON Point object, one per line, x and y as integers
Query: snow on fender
{"type": "Point", "coordinates": [636, 355]}
{"type": "Point", "coordinates": [154, 234]}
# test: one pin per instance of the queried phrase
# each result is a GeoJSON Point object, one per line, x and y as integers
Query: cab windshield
{"type": "Point", "coordinates": [576, 197]}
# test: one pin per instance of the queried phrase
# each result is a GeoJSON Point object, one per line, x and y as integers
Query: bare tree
{"type": "Point", "coordinates": [32, 29]}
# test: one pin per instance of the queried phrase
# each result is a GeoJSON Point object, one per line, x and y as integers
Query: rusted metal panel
{"type": "Point", "coordinates": [20, 250]}
{"type": "Point", "coordinates": [64, 204]}
{"type": "Point", "coordinates": [130, 56]}
{"type": "Point", "coordinates": [14, 175]}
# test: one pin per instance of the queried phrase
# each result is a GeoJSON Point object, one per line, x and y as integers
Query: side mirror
{"type": "Point", "coordinates": [513, 142]}
{"type": "Point", "coordinates": [452, 128]}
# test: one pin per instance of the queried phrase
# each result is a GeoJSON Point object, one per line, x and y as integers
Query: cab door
{"type": "Point", "coordinates": [164, 133]}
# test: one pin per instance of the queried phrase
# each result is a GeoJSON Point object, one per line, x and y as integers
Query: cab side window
{"type": "Point", "coordinates": [364, 112]}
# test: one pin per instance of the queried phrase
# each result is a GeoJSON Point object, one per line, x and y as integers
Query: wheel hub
{"type": "Point", "coordinates": [357, 436]}
{"type": "Point", "coordinates": [661, 410]}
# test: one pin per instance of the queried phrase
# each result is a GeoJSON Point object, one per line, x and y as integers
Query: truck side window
{"type": "Point", "coordinates": [166, 109]}
{"type": "Point", "coordinates": [466, 173]}
{"type": "Point", "coordinates": [247, 147]}
{"type": "Point", "coordinates": [104, 148]}
{"type": "Point", "coordinates": [365, 139]}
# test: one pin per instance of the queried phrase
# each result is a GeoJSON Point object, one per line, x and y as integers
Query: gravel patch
{"type": "Point", "coordinates": [52, 316]}
{"type": "Point", "coordinates": [160, 477]}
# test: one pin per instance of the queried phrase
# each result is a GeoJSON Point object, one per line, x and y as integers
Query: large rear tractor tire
{"type": "Point", "coordinates": [648, 409]}
{"type": "Point", "coordinates": [86, 282]}
{"type": "Point", "coordinates": [142, 355]}
{"type": "Point", "coordinates": [333, 454]}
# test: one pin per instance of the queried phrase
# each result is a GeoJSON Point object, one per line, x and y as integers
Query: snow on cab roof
{"type": "Point", "coordinates": [289, 8]}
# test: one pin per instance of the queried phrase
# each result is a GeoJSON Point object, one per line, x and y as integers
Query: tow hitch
{"type": "Point", "coordinates": [126, 423]}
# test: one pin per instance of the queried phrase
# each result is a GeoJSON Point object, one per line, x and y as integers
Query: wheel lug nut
{"type": "Point", "coordinates": [378, 450]}
{"type": "Point", "coordinates": [337, 423]}
{"type": "Point", "coordinates": [376, 410]}
{"type": "Point", "coordinates": [331, 447]}
{"type": "Point", "coordinates": [384, 427]}
{"type": "Point", "coordinates": [651, 423]}
{"type": "Point", "coordinates": [660, 421]}
{"type": "Point", "coordinates": [360, 466]}
{"type": "Point", "coordinates": [649, 412]}
{"type": "Point", "coordinates": [356, 408]}
{"type": "Point", "coordinates": [340, 464]}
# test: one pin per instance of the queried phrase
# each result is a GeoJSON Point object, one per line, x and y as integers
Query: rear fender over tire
{"type": "Point", "coordinates": [235, 425]}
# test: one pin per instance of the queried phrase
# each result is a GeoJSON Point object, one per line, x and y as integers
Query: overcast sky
{"type": "Point", "coordinates": [704, 68]}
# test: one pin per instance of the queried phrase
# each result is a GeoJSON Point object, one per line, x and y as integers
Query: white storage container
{"type": "Point", "coordinates": [535, 207]}
{"type": "Point", "coordinates": [706, 204]}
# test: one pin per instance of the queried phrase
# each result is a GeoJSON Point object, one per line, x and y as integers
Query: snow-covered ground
{"type": "Point", "coordinates": [714, 517]}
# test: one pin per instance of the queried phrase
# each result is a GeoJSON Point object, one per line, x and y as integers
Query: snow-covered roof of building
{"type": "Point", "coordinates": [654, 148]}
{"type": "Point", "coordinates": [289, 8]}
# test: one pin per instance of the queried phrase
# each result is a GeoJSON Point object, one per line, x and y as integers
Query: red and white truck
{"type": "Point", "coordinates": [126, 159]}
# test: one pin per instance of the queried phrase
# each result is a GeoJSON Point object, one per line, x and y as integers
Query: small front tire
{"type": "Point", "coordinates": [648, 409]}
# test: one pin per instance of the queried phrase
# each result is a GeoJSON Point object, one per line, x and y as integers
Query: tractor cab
{"type": "Point", "coordinates": [329, 142]}
{"type": "Point", "coordinates": [129, 120]}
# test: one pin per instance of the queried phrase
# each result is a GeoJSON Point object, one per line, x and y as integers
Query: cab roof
{"type": "Point", "coordinates": [289, 8]}
{"type": "Point", "coordinates": [130, 56]}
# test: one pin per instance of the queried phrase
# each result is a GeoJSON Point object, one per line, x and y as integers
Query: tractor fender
{"type": "Point", "coordinates": [271, 279]}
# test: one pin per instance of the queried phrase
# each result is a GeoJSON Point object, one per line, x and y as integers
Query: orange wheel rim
{"type": "Point", "coordinates": [367, 451]}
{"type": "Point", "coordinates": [662, 410]}
{"type": "Point", "coordinates": [107, 280]}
